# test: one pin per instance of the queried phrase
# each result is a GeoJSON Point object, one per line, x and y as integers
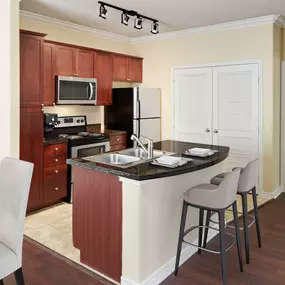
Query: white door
{"type": "Point", "coordinates": [193, 105]}
{"type": "Point", "coordinates": [235, 112]}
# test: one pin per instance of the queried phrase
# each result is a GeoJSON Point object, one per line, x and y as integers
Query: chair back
{"type": "Point", "coordinates": [248, 177]}
{"type": "Point", "coordinates": [15, 181]}
{"type": "Point", "coordinates": [228, 188]}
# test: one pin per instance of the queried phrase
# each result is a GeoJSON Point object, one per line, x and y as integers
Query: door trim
{"type": "Point", "coordinates": [259, 63]}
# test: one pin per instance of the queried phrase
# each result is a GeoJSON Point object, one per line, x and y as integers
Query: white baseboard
{"type": "Point", "coordinates": [273, 195]}
{"type": "Point", "coordinates": [168, 268]}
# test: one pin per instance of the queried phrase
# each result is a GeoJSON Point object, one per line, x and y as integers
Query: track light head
{"type": "Point", "coordinates": [125, 18]}
{"type": "Point", "coordinates": [155, 28]}
{"type": "Point", "coordinates": [102, 12]}
{"type": "Point", "coordinates": [138, 23]}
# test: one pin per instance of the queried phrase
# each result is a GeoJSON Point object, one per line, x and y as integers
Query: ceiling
{"type": "Point", "coordinates": [172, 15]}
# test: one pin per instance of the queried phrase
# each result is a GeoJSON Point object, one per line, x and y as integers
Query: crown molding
{"type": "Point", "coordinates": [72, 26]}
{"type": "Point", "coordinates": [270, 19]}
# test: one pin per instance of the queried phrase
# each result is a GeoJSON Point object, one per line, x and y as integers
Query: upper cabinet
{"type": "Point", "coordinates": [49, 82]}
{"type": "Point", "coordinates": [84, 63]}
{"type": "Point", "coordinates": [127, 68]}
{"type": "Point", "coordinates": [135, 68]}
{"type": "Point", "coordinates": [103, 73]}
{"type": "Point", "coordinates": [64, 61]}
{"type": "Point", "coordinates": [71, 61]}
{"type": "Point", "coordinates": [31, 76]}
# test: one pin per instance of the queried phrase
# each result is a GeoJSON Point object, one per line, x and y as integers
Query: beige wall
{"type": "Point", "coordinates": [9, 78]}
{"type": "Point", "coordinates": [232, 45]}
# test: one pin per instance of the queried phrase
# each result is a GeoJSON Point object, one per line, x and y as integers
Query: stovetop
{"type": "Point", "coordinates": [74, 128]}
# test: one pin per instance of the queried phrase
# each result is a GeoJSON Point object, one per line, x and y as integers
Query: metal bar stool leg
{"type": "Point", "coordinates": [19, 276]}
{"type": "Point", "coordinates": [181, 233]}
{"type": "Point", "coordinates": [223, 245]}
{"type": "Point", "coordinates": [245, 225]}
{"type": "Point", "coordinates": [235, 212]}
{"type": "Point", "coordinates": [1, 282]}
{"type": "Point", "coordinates": [207, 229]}
{"type": "Point", "coordinates": [256, 214]}
{"type": "Point", "coordinates": [201, 222]}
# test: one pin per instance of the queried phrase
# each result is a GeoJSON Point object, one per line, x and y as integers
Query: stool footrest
{"type": "Point", "coordinates": [203, 248]}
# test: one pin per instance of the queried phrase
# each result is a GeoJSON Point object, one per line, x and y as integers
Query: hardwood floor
{"type": "Point", "coordinates": [267, 264]}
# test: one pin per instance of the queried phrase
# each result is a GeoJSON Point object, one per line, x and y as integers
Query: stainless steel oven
{"type": "Point", "coordinates": [89, 149]}
{"type": "Point", "coordinates": [75, 90]}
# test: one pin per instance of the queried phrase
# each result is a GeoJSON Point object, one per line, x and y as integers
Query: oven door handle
{"type": "Point", "coordinates": [91, 91]}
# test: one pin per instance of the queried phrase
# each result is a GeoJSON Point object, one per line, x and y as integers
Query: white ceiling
{"type": "Point", "coordinates": [172, 15]}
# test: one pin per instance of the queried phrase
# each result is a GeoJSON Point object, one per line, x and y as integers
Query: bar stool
{"type": "Point", "coordinates": [217, 199]}
{"type": "Point", "coordinates": [246, 185]}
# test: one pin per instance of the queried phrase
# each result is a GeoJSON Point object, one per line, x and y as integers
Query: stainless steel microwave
{"type": "Point", "coordinates": [76, 90]}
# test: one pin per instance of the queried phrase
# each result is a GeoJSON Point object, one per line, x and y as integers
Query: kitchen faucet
{"type": "Point", "coordinates": [149, 150]}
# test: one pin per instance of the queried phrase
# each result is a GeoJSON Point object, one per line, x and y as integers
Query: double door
{"type": "Point", "coordinates": [219, 105]}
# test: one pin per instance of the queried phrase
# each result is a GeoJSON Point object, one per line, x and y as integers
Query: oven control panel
{"type": "Point", "coordinates": [71, 121]}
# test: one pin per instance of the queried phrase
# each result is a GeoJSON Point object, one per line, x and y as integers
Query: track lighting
{"type": "Point", "coordinates": [125, 17]}
{"type": "Point", "coordinates": [102, 12]}
{"type": "Point", "coordinates": [138, 23]}
{"type": "Point", "coordinates": [155, 28]}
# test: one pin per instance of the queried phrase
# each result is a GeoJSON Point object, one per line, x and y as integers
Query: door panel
{"type": "Point", "coordinates": [151, 129]}
{"type": "Point", "coordinates": [193, 105]}
{"type": "Point", "coordinates": [84, 63]}
{"type": "Point", "coordinates": [64, 61]}
{"type": "Point", "coordinates": [150, 101]}
{"type": "Point", "coordinates": [120, 68]}
{"type": "Point", "coordinates": [235, 116]}
{"type": "Point", "coordinates": [135, 69]}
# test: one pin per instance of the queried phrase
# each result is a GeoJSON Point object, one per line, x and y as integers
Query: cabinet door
{"type": "Point", "coordinates": [135, 66]}
{"type": "Point", "coordinates": [49, 80]}
{"type": "Point", "coordinates": [31, 149]}
{"type": "Point", "coordinates": [64, 61]}
{"type": "Point", "coordinates": [31, 72]}
{"type": "Point", "coordinates": [84, 63]}
{"type": "Point", "coordinates": [120, 68]}
{"type": "Point", "coordinates": [103, 73]}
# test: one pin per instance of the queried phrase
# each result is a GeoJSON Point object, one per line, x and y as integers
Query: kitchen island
{"type": "Point", "coordinates": [126, 220]}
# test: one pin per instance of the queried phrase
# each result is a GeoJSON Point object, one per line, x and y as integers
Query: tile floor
{"type": "Point", "coordinates": [53, 229]}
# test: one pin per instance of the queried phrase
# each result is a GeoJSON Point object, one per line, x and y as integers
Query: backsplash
{"type": "Point", "coordinates": [94, 114]}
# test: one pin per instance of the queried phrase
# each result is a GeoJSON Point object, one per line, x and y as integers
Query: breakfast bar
{"type": "Point", "coordinates": [126, 219]}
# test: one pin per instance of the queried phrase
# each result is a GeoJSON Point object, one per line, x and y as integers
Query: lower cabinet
{"type": "Point", "coordinates": [55, 173]}
{"type": "Point", "coordinates": [117, 141]}
{"type": "Point", "coordinates": [31, 150]}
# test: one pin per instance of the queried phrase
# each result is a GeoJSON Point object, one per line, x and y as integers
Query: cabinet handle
{"type": "Point", "coordinates": [128, 79]}
{"type": "Point", "coordinates": [53, 104]}
{"type": "Point", "coordinates": [56, 171]}
{"type": "Point", "coordinates": [118, 140]}
{"type": "Point", "coordinates": [56, 160]}
{"type": "Point", "coordinates": [43, 110]}
{"type": "Point", "coordinates": [216, 131]}
{"type": "Point", "coordinates": [56, 149]}
{"type": "Point", "coordinates": [42, 105]}
{"type": "Point", "coordinates": [207, 130]}
{"type": "Point", "coordinates": [56, 188]}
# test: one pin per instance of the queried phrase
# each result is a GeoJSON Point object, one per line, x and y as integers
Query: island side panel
{"type": "Point", "coordinates": [98, 220]}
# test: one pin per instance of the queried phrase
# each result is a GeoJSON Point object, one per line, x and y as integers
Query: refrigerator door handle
{"type": "Point", "coordinates": [139, 107]}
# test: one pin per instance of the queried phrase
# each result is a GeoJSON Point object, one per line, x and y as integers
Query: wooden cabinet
{"type": "Point", "coordinates": [117, 141]}
{"type": "Point", "coordinates": [71, 61]}
{"type": "Point", "coordinates": [84, 63]}
{"type": "Point", "coordinates": [120, 68]}
{"type": "Point", "coordinates": [49, 79]}
{"type": "Point", "coordinates": [127, 68]}
{"type": "Point", "coordinates": [135, 66]}
{"type": "Point", "coordinates": [55, 173]}
{"type": "Point", "coordinates": [64, 61]}
{"type": "Point", "coordinates": [31, 76]}
{"type": "Point", "coordinates": [103, 73]}
{"type": "Point", "coordinates": [31, 149]}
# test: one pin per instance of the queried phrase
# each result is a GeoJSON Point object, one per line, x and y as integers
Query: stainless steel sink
{"type": "Point", "coordinates": [114, 159]}
{"type": "Point", "coordinates": [138, 152]}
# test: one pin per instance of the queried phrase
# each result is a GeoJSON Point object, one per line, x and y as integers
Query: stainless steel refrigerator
{"type": "Point", "coordinates": [137, 111]}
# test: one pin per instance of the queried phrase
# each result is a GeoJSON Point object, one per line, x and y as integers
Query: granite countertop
{"type": "Point", "coordinates": [57, 140]}
{"type": "Point", "coordinates": [146, 171]}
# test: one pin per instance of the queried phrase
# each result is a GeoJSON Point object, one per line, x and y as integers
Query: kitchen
{"type": "Point", "coordinates": [59, 59]}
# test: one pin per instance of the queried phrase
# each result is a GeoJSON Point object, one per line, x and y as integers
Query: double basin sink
{"type": "Point", "coordinates": [126, 158]}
